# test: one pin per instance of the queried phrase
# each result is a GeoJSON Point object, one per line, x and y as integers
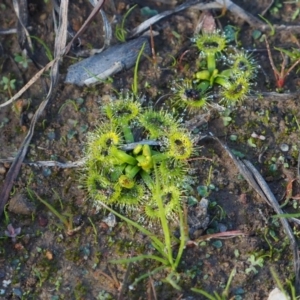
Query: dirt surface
{"type": "Point", "coordinates": [43, 262]}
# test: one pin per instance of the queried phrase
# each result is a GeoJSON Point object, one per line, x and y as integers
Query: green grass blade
{"type": "Point", "coordinates": [53, 210]}
{"type": "Point", "coordinates": [182, 238]}
{"type": "Point", "coordinates": [270, 24]}
{"type": "Point", "coordinates": [139, 258]}
{"type": "Point", "coordinates": [47, 49]}
{"type": "Point", "coordinates": [207, 295]}
{"type": "Point", "coordinates": [135, 76]}
{"type": "Point", "coordinates": [297, 215]}
{"type": "Point", "coordinates": [225, 293]}
{"type": "Point", "coordinates": [163, 219]}
{"type": "Point", "coordinates": [155, 240]}
{"type": "Point", "coordinates": [156, 270]}
{"type": "Point", "coordinates": [120, 29]}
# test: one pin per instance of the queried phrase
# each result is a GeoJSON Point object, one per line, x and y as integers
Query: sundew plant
{"type": "Point", "coordinates": [129, 151]}
{"type": "Point", "coordinates": [223, 70]}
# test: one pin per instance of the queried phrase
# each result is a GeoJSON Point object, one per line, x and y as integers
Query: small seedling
{"type": "Point", "coordinates": [254, 263]}
{"type": "Point", "coordinates": [135, 76]}
{"type": "Point", "coordinates": [276, 7]}
{"type": "Point", "coordinates": [22, 59]}
{"type": "Point", "coordinates": [284, 72]}
{"type": "Point", "coordinates": [47, 49]}
{"type": "Point", "coordinates": [8, 84]}
{"type": "Point", "coordinates": [121, 32]}
{"type": "Point", "coordinates": [5, 212]}
{"type": "Point", "coordinates": [69, 102]}
{"type": "Point", "coordinates": [12, 232]}
{"type": "Point", "coordinates": [95, 230]}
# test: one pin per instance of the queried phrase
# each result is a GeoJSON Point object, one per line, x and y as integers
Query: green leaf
{"type": "Point", "coordinates": [233, 137]}
{"type": "Point", "coordinates": [251, 143]}
{"type": "Point", "coordinates": [217, 244]}
{"type": "Point", "coordinates": [203, 190]}
{"type": "Point", "coordinates": [256, 34]}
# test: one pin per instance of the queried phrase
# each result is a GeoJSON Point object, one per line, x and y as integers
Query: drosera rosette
{"type": "Point", "coordinates": [236, 91]}
{"type": "Point", "coordinates": [188, 97]}
{"type": "Point", "coordinates": [157, 123]}
{"type": "Point", "coordinates": [243, 64]}
{"type": "Point", "coordinates": [209, 45]}
{"type": "Point", "coordinates": [224, 70]}
{"type": "Point", "coordinates": [180, 145]}
{"type": "Point", "coordinates": [233, 70]}
{"type": "Point", "coordinates": [130, 198]}
{"type": "Point", "coordinates": [171, 200]}
{"type": "Point", "coordinates": [100, 141]}
{"type": "Point", "coordinates": [173, 169]}
{"type": "Point", "coordinates": [122, 112]}
{"type": "Point", "coordinates": [120, 165]}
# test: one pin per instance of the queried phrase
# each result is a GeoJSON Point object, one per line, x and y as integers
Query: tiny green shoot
{"type": "Point", "coordinates": [120, 29]}
{"type": "Point", "coordinates": [135, 76]}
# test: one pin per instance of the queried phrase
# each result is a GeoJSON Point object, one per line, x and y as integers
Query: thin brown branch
{"type": "Point", "coordinates": [219, 235]}
{"type": "Point", "coordinates": [293, 66]}
{"type": "Point", "coordinates": [275, 70]}
{"type": "Point", "coordinates": [85, 24]}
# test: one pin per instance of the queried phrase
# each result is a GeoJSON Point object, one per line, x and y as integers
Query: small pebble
{"type": "Point", "coordinates": [49, 255]}
{"type": "Point", "coordinates": [51, 135]}
{"type": "Point", "coordinates": [47, 172]}
{"type": "Point", "coordinates": [17, 292]}
{"type": "Point", "coordinates": [18, 246]}
{"type": "Point", "coordinates": [42, 220]}
{"type": "Point", "coordinates": [6, 283]}
{"type": "Point", "coordinates": [222, 227]}
{"type": "Point", "coordinates": [276, 294]}
{"type": "Point", "coordinates": [2, 170]}
{"type": "Point", "coordinates": [284, 147]}
{"type": "Point", "coordinates": [77, 220]}
{"type": "Point", "coordinates": [43, 17]}
{"type": "Point", "coordinates": [110, 220]}
{"type": "Point", "coordinates": [19, 204]}
{"type": "Point", "coordinates": [6, 165]}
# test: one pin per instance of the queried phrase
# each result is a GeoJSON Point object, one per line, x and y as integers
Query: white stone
{"type": "Point", "coordinates": [276, 294]}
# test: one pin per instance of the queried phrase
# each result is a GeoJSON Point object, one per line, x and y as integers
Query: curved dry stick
{"type": "Point", "coordinates": [254, 21]}
{"type": "Point", "coordinates": [146, 24]}
{"type": "Point", "coordinates": [29, 83]}
{"type": "Point", "coordinates": [217, 4]}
